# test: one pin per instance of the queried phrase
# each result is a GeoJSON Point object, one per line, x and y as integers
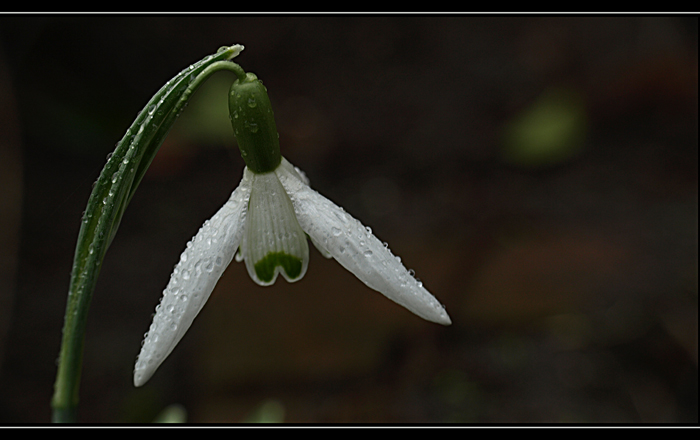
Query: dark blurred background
{"type": "Point", "coordinates": [538, 173]}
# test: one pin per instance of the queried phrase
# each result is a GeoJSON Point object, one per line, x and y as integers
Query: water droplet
{"type": "Point", "coordinates": [368, 253]}
{"type": "Point", "coordinates": [252, 126]}
{"type": "Point", "coordinates": [412, 272]}
{"type": "Point", "coordinates": [336, 231]}
{"type": "Point", "coordinates": [252, 103]}
{"type": "Point", "coordinates": [151, 109]}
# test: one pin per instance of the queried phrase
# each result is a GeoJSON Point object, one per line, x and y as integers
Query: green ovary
{"type": "Point", "coordinates": [265, 268]}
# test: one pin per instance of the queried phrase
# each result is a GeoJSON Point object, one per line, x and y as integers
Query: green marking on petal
{"type": "Point", "coordinates": [265, 268]}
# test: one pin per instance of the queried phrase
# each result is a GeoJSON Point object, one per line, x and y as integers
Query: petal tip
{"type": "Point", "coordinates": [141, 374]}
{"type": "Point", "coordinates": [444, 320]}
{"type": "Point", "coordinates": [138, 380]}
{"type": "Point", "coordinates": [434, 312]}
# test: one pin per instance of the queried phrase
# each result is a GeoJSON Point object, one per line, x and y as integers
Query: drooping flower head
{"type": "Point", "coordinates": [266, 222]}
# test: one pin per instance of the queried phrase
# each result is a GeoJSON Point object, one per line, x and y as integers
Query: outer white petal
{"type": "Point", "coordinates": [357, 249]}
{"type": "Point", "coordinates": [201, 264]}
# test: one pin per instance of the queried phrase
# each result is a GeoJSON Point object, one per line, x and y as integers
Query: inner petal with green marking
{"type": "Point", "coordinates": [274, 242]}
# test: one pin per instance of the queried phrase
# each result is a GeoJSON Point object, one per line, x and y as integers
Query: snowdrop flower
{"type": "Point", "coordinates": [267, 220]}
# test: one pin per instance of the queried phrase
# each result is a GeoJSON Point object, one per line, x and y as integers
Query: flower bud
{"type": "Point", "coordinates": [254, 124]}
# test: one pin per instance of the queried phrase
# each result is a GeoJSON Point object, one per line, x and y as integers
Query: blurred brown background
{"type": "Point", "coordinates": [538, 173]}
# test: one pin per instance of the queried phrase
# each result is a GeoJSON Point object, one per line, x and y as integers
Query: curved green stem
{"type": "Point", "coordinates": [111, 194]}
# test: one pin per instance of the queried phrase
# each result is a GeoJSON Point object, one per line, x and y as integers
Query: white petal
{"type": "Point", "coordinates": [321, 249]}
{"type": "Point", "coordinates": [356, 249]}
{"type": "Point", "coordinates": [273, 242]}
{"type": "Point", "coordinates": [201, 264]}
{"type": "Point", "coordinates": [296, 172]}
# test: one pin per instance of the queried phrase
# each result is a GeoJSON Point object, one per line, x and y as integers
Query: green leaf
{"type": "Point", "coordinates": [110, 196]}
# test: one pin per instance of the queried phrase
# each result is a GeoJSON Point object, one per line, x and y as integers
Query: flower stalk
{"type": "Point", "coordinates": [110, 196]}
